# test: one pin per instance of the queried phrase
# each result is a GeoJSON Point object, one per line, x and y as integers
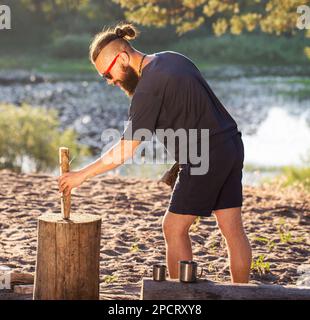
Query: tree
{"type": "Point", "coordinates": [271, 16]}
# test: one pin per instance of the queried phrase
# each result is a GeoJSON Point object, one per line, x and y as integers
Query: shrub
{"type": "Point", "coordinates": [32, 133]}
{"type": "Point", "coordinates": [297, 176]}
{"type": "Point", "coordinates": [71, 46]}
{"type": "Point", "coordinates": [244, 49]}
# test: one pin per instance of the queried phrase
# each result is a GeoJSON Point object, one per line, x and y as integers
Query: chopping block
{"type": "Point", "coordinates": [68, 249]}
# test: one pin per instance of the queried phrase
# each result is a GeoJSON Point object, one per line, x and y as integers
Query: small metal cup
{"type": "Point", "coordinates": [159, 272]}
{"type": "Point", "coordinates": [188, 271]}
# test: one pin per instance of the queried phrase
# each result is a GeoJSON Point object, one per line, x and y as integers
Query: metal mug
{"type": "Point", "coordinates": [159, 272]}
{"type": "Point", "coordinates": [188, 271]}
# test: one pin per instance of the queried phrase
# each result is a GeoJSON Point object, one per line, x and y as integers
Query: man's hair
{"type": "Point", "coordinates": [123, 32]}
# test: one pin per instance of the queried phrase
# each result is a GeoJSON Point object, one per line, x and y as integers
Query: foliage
{"type": "Point", "coordinates": [39, 21]}
{"type": "Point", "coordinates": [63, 26]}
{"type": "Point", "coordinates": [110, 278]}
{"type": "Point", "coordinates": [232, 16]}
{"type": "Point", "coordinates": [71, 46]}
{"type": "Point", "coordinates": [31, 133]}
{"type": "Point", "coordinates": [260, 265]}
{"type": "Point", "coordinates": [195, 225]}
{"type": "Point", "coordinates": [246, 48]}
{"type": "Point", "coordinates": [297, 176]}
{"type": "Point", "coordinates": [268, 242]}
{"type": "Point", "coordinates": [134, 248]}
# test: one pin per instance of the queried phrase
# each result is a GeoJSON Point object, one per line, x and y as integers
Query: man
{"type": "Point", "coordinates": [168, 91]}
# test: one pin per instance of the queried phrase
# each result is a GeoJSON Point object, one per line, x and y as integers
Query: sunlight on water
{"type": "Point", "coordinates": [272, 113]}
{"type": "Point", "coordinates": [282, 139]}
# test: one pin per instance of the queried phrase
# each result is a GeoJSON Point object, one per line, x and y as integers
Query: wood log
{"type": "Point", "coordinates": [23, 289]}
{"type": "Point", "coordinates": [21, 278]}
{"type": "Point", "coordinates": [209, 290]}
{"type": "Point", "coordinates": [67, 265]}
{"type": "Point", "coordinates": [64, 166]}
{"type": "Point", "coordinates": [11, 295]}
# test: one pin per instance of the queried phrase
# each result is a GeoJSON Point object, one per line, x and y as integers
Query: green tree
{"type": "Point", "coordinates": [272, 16]}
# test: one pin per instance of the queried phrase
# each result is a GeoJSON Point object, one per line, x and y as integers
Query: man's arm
{"type": "Point", "coordinates": [114, 157]}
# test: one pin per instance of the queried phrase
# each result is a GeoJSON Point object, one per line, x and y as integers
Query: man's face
{"type": "Point", "coordinates": [121, 74]}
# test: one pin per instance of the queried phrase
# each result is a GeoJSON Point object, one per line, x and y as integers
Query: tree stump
{"type": "Point", "coordinates": [67, 266]}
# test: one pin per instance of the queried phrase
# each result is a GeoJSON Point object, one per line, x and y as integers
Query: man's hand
{"type": "Point", "coordinates": [70, 180]}
{"type": "Point", "coordinates": [73, 179]}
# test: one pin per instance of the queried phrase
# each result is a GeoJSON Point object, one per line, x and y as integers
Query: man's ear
{"type": "Point", "coordinates": [125, 58]}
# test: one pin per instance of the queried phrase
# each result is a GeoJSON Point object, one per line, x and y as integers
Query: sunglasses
{"type": "Point", "coordinates": [106, 75]}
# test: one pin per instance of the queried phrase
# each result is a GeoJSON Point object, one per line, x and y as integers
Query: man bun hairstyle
{"type": "Point", "coordinates": [126, 31]}
{"type": "Point", "coordinates": [123, 32]}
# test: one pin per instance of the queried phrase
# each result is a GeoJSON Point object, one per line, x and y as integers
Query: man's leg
{"type": "Point", "coordinates": [178, 243]}
{"type": "Point", "coordinates": [239, 250]}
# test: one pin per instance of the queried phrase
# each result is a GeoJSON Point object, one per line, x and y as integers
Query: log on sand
{"type": "Point", "coordinates": [209, 290]}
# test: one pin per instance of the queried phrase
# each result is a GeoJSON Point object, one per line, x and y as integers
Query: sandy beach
{"type": "Point", "coordinates": [277, 223]}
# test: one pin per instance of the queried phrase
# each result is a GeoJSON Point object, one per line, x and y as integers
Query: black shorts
{"type": "Point", "coordinates": [219, 188]}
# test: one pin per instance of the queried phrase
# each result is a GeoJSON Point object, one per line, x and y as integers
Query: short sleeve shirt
{"type": "Point", "coordinates": [173, 94]}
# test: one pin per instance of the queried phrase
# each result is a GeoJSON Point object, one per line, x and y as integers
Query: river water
{"type": "Point", "coordinates": [272, 111]}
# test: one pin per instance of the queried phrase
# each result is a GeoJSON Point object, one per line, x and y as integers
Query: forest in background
{"type": "Point", "coordinates": [210, 32]}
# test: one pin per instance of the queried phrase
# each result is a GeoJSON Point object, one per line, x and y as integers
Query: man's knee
{"type": "Point", "coordinates": [229, 222]}
{"type": "Point", "coordinates": [175, 225]}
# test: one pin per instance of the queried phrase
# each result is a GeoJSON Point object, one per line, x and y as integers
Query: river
{"type": "Point", "coordinates": [272, 110]}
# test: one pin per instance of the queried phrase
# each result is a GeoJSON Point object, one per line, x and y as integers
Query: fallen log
{"type": "Point", "coordinates": [209, 290]}
{"type": "Point", "coordinates": [21, 278]}
{"type": "Point", "coordinates": [23, 289]}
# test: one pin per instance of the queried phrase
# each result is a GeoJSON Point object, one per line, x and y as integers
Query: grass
{"type": "Point", "coordinates": [110, 278]}
{"type": "Point", "coordinates": [252, 167]}
{"type": "Point", "coordinates": [285, 235]}
{"type": "Point", "coordinates": [304, 81]}
{"type": "Point", "coordinates": [65, 53]}
{"type": "Point", "coordinates": [268, 242]}
{"type": "Point", "coordinates": [295, 176]}
{"type": "Point", "coordinates": [46, 64]}
{"type": "Point", "coordinates": [262, 49]}
{"type": "Point", "coordinates": [213, 245]}
{"type": "Point", "coordinates": [300, 94]}
{"type": "Point", "coordinates": [260, 266]}
{"type": "Point", "coordinates": [291, 80]}
{"type": "Point", "coordinates": [288, 176]}
{"type": "Point", "coordinates": [134, 248]}
{"type": "Point", "coordinates": [195, 225]}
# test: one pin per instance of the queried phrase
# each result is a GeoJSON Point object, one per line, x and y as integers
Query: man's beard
{"type": "Point", "coordinates": [130, 81]}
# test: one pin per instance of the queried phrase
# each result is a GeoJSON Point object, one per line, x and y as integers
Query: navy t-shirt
{"type": "Point", "coordinates": [172, 94]}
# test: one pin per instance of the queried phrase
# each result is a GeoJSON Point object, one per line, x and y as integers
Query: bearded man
{"type": "Point", "coordinates": [167, 91]}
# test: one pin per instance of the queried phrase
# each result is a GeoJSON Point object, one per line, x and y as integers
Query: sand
{"type": "Point", "coordinates": [277, 223]}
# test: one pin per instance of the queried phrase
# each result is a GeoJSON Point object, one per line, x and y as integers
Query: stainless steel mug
{"type": "Point", "coordinates": [159, 272]}
{"type": "Point", "coordinates": [188, 271]}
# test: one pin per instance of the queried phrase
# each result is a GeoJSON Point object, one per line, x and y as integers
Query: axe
{"type": "Point", "coordinates": [170, 175]}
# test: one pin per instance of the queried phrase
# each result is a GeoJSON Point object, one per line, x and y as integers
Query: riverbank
{"type": "Point", "coordinates": [261, 100]}
{"type": "Point", "coordinates": [276, 221]}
